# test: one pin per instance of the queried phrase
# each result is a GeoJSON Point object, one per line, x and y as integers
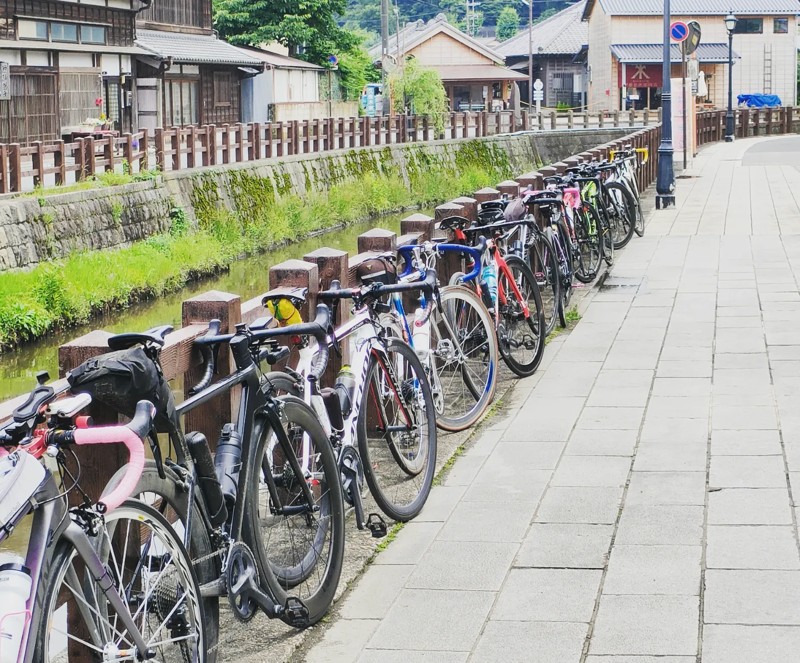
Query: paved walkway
{"type": "Point", "coordinates": [635, 502]}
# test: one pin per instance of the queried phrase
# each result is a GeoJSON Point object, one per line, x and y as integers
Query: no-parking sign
{"type": "Point", "coordinates": [678, 31]}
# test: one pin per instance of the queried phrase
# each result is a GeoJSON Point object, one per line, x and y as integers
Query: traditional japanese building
{"type": "Point", "coordinates": [186, 74]}
{"type": "Point", "coordinates": [69, 62]}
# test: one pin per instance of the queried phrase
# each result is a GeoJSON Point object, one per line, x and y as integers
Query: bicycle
{"type": "Point", "coordinates": [258, 481]}
{"type": "Point", "coordinates": [108, 578]}
{"type": "Point", "coordinates": [511, 293]}
{"type": "Point", "coordinates": [452, 334]}
{"type": "Point", "coordinates": [629, 164]}
{"type": "Point", "coordinates": [383, 423]}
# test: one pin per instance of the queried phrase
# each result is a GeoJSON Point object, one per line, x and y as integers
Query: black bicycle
{"type": "Point", "coordinates": [258, 481]}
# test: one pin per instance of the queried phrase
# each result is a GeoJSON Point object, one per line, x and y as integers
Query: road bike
{"type": "Point", "coordinates": [381, 420]}
{"type": "Point", "coordinates": [107, 580]}
{"type": "Point", "coordinates": [258, 483]}
{"type": "Point", "coordinates": [509, 290]}
{"type": "Point", "coordinates": [453, 335]}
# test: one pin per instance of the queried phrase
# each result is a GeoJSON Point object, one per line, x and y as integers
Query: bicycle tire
{"type": "Point", "coordinates": [513, 316]}
{"type": "Point", "coordinates": [468, 319]}
{"type": "Point", "coordinates": [170, 499]}
{"type": "Point", "coordinates": [638, 227]}
{"type": "Point", "coordinates": [172, 600]}
{"type": "Point", "coordinates": [413, 389]}
{"type": "Point", "coordinates": [293, 578]}
{"type": "Point", "coordinates": [622, 208]}
{"type": "Point", "coordinates": [542, 256]}
{"type": "Point", "coordinates": [562, 251]}
{"type": "Point", "coordinates": [588, 252]}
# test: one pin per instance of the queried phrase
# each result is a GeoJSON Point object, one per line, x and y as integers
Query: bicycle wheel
{"type": "Point", "coordinates": [638, 227]}
{"type": "Point", "coordinates": [463, 358]}
{"type": "Point", "coordinates": [520, 338]}
{"type": "Point", "coordinates": [298, 544]}
{"type": "Point", "coordinates": [588, 253]}
{"type": "Point", "coordinates": [397, 431]}
{"type": "Point", "coordinates": [151, 571]}
{"type": "Point", "coordinates": [544, 265]}
{"type": "Point", "coordinates": [620, 206]}
{"type": "Point", "coordinates": [562, 249]}
{"type": "Point", "coordinates": [169, 497]}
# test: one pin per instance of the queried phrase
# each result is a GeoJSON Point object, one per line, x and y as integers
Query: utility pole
{"type": "Point", "coordinates": [384, 49]}
{"type": "Point", "coordinates": [530, 55]}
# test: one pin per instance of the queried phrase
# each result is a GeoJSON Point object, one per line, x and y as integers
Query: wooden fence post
{"type": "Point", "coordinates": [127, 151]}
{"type": "Point", "coordinates": [333, 264]}
{"type": "Point", "coordinates": [91, 166]}
{"type": "Point", "coordinates": [299, 274]}
{"type": "Point", "coordinates": [227, 308]}
{"type": "Point", "coordinates": [108, 154]}
{"type": "Point", "coordinates": [377, 239]}
{"type": "Point", "coordinates": [508, 187]}
{"type": "Point", "coordinates": [486, 194]}
{"type": "Point", "coordinates": [98, 463]}
{"type": "Point", "coordinates": [5, 183]}
{"type": "Point", "coordinates": [160, 149]}
{"type": "Point", "coordinates": [470, 206]}
{"type": "Point", "coordinates": [37, 159]}
{"type": "Point", "coordinates": [176, 136]}
{"type": "Point", "coordinates": [419, 223]}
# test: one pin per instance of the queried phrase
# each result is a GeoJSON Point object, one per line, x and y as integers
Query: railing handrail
{"type": "Point", "coordinates": [178, 148]}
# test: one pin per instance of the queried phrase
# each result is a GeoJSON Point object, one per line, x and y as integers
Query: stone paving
{"type": "Point", "coordinates": [634, 502]}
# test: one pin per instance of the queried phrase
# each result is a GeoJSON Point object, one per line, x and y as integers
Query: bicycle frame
{"type": "Point", "coordinates": [253, 402]}
{"type": "Point", "coordinates": [363, 332]}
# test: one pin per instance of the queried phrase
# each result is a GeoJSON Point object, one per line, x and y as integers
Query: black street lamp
{"type": "Point", "coordinates": [730, 26]}
{"type": "Point", "coordinates": [665, 180]}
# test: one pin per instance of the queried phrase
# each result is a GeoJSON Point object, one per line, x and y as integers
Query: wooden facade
{"type": "Point", "coordinates": [118, 22]}
{"type": "Point", "coordinates": [177, 15]}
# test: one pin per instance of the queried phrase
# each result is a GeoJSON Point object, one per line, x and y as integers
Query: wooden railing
{"type": "Point", "coordinates": [23, 168]}
{"type": "Point", "coordinates": [747, 122]}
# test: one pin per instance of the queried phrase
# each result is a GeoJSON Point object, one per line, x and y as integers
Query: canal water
{"type": "Point", "coordinates": [246, 278]}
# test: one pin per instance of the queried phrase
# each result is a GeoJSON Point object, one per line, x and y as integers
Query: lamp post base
{"type": "Point", "coordinates": [665, 200]}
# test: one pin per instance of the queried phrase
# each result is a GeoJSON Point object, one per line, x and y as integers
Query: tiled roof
{"type": "Point", "coordinates": [477, 72]}
{"type": "Point", "coordinates": [193, 49]}
{"type": "Point", "coordinates": [277, 60]}
{"type": "Point", "coordinates": [562, 34]}
{"type": "Point", "coordinates": [414, 33]}
{"type": "Point", "coordinates": [653, 53]}
{"type": "Point", "coordinates": [695, 7]}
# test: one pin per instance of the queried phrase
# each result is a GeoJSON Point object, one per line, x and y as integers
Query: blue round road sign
{"type": "Point", "coordinates": [679, 31]}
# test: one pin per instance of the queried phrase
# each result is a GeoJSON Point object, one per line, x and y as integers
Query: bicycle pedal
{"type": "Point", "coordinates": [377, 525]}
{"type": "Point", "coordinates": [295, 613]}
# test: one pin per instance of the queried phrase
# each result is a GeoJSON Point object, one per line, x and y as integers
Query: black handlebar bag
{"type": "Point", "coordinates": [120, 379]}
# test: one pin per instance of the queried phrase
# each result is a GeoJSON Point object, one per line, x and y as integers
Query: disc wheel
{"type": "Point", "coordinates": [294, 522]}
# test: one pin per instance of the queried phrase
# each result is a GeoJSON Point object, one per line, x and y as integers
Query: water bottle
{"type": "Point", "coordinates": [207, 478]}
{"type": "Point", "coordinates": [422, 333]}
{"type": "Point", "coordinates": [345, 386]}
{"type": "Point", "coordinates": [227, 463]}
{"type": "Point", "coordinates": [15, 590]}
{"type": "Point", "coordinates": [489, 286]}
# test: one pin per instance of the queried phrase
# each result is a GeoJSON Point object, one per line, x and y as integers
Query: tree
{"type": "Point", "coordinates": [307, 27]}
{"type": "Point", "coordinates": [547, 13]}
{"type": "Point", "coordinates": [356, 69]}
{"type": "Point", "coordinates": [419, 90]}
{"type": "Point", "coordinates": [507, 23]}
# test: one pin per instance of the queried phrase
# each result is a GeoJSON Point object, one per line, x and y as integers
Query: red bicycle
{"type": "Point", "coordinates": [509, 290]}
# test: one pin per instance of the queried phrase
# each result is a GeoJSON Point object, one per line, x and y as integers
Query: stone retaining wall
{"type": "Point", "coordinates": [34, 229]}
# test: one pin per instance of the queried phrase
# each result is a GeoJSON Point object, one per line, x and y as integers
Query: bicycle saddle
{"type": "Point", "coordinates": [155, 336]}
{"type": "Point", "coordinates": [295, 295]}
{"type": "Point", "coordinates": [453, 222]}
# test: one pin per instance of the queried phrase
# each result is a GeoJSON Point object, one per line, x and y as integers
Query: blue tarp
{"type": "Point", "coordinates": [759, 100]}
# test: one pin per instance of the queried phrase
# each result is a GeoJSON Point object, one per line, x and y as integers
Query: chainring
{"type": "Point", "coordinates": [240, 571]}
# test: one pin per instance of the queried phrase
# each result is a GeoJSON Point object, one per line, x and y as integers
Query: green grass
{"type": "Point", "coordinates": [93, 182]}
{"type": "Point", "coordinates": [67, 292]}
